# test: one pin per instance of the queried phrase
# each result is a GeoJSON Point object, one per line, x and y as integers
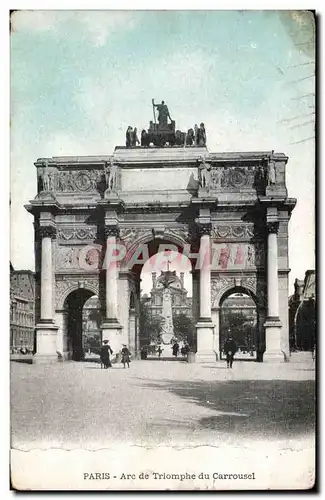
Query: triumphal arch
{"type": "Point", "coordinates": [98, 218]}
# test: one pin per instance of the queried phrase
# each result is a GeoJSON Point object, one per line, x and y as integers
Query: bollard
{"type": "Point", "coordinates": [191, 357]}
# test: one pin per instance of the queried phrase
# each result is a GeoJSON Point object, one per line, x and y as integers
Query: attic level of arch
{"type": "Point", "coordinates": [126, 172]}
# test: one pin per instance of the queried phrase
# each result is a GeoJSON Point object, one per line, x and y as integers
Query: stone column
{"type": "Point", "coordinates": [205, 327]}
{"type": "Point", "coordinates": [195, 294]}
{"type": "Point", "coordinates": [111, 328]}
{"type": "Point", "coordinates": [111, 273]}
{"type": "Point", "coordinates": [216, 339]}
{"type": "Point", "coordinates": [132, 337]}
{"type": "Point", "coordinates": [205, 274]}
{"type": "Point", "coordinates": [273, 351]}
{"type": "Point", "coordinates": [123, 310]}
{"type": "Point", "coordinates": [46, 274]}
{"type": "Point", "coordinates": [137, 319]}
{"type": "Point", "coordinates": [46, 330]}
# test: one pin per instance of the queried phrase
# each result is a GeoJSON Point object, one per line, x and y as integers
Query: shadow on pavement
{"type": "Point", "coordinates": [215, 367]}
{"type": "Point", "coordinates": [22, 359]}
{"type": "Point", "coordinates": [166, 358]}
{"type": "Point", "coordinates": [304, 369]}
{"type": "Point", "coordinates": [277, 408]}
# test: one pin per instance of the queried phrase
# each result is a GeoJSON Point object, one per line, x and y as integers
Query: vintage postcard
{"type": "Point", "coordinates": [162, 269]}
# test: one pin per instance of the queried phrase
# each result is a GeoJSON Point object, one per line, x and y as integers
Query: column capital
{"type": "Point", "coordinates": [204, 228]}
{"type": "Point", "coordinates": [111, 230]}
{"type": "Point", "coordinates": [47, 232]}
{"type": "Point", "coordinates": [272, 226]}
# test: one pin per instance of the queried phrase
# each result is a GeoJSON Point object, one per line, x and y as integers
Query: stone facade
{"type": "Point", "coordinates": [302, 313]}
{"type": "Point", "coordinates": [237, 225]}
{"type": "Point", "coordinates": [22, 309]}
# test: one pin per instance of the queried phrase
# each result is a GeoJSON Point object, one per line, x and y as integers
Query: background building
{"type": "Point", "coordinates": [238, 317]}
{"type": "Point", "coordinates": [302, 313]}
{"type": "Point", "coordinates": [22, 308]}
{"type": "Point", "coordinates": [181, 303]}
{"type": "Point", "coordinates": [91, 318]}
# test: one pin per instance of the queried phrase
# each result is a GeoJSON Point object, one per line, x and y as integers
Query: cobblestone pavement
{"type": "Point", "coordinates": [78, 405]}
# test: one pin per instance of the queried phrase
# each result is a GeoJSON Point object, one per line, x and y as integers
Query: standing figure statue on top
{"type": "Point", "coordinates": [45, 177]}
{"type": "Point", "coordinates": [163, 112]}
{"type": "Point", "coordinates": [110, 171]}
{"type": "Point", "coordinates": [271, 172]}
{"type": "Point", "coordinates": [196, 135]}
{"type": "Point", "coordinates": [135, 139]}
{"type": "Point", "coordinates": [204, 174]}
{"type": "Point", "coordinates": [129, 137]}
{"type": "Point", "coordinates": [201, 136]}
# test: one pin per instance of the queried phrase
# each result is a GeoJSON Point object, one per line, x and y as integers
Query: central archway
{"type": "Point", "coordinates": [239, 318]}
{"type": "Point", "coordinates": [150, 271]}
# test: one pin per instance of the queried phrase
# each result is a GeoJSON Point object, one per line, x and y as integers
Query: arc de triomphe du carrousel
{"type": "Point", "coordinates": [97, 220]}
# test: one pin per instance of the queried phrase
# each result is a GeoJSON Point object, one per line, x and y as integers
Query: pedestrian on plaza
{"type": "Point", "coordinates": [186, 349]}
{"type": "Point", "coordinates": [125, 356]}
{"type": "Point", "coordinates": [175, 349]}
{"type": "Point", "coordinates": [314, 352]}
{"type": "Point", "coordinates": [105, 353]}
{"type": "Point", "coordinates": [230, 349]}
{"type": "Point", "coordinates": [159, 350]}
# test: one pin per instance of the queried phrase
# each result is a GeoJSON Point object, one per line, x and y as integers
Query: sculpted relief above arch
{"type": "Point", "coordinates": [67, 285]}
{"type": "Point", "coordinates": [130, 236]}
{"type": "Point", "coordinates": [220, 285]}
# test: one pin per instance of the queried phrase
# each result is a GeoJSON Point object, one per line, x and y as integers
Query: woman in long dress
{"type": "Point", "coordinates": [105, 352]}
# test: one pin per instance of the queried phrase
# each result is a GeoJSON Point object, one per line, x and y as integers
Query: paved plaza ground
{"type": "Point", "coordinates": [78, 405]}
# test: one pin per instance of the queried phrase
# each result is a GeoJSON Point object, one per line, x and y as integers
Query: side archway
{"type": "Point", "coordinates": [64, 288]}
{"type": "Point", "coordinates": [69, 319]}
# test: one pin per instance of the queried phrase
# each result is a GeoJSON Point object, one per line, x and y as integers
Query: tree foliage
{"type": "Point", "coordinates": [184, 328]}
{"type": "Point", "coordinates": [238, 325]}
{"type": "Point", "coordinates": [150, 326]}
{"type": "Point", "coordinates": [95, 316]}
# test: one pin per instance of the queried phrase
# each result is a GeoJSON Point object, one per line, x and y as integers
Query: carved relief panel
{"type": "Point", "coordinates": [66, 258]}
{"type": "Point", "coordinates": [227, 256]}
{"type": "Point", "coordinates": [228, 231]}
{"type": "Point", "coordinates": [233, 177]}
{"type": "Point", "coordinates": [78, 258]}
{"type": "Point", "coordinates": [66, 235]}
{"type": "Point", "coordinates": [52, 179]}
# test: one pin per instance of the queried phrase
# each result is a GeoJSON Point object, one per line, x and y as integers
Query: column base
{"type": "Point", "coordinates": [65, 356]}
{"type": "Point", "coordinates": [273, 352]}
{"type": "Point", "coordinates": [205, 357]}
{"type": "Point", "coordinates": [45, 359]}
{"type": "Point", "coordinates": [112, 331]}
{"type": "Point", "coordinates": [204, 338]}
{"type": "Point", "coordinates": [46, 343]}
{"type": "Point", "coordinates": [274, 357]}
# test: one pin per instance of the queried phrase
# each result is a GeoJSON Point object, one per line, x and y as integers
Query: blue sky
{"type": "Point", "coordinates": [79, 78]}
